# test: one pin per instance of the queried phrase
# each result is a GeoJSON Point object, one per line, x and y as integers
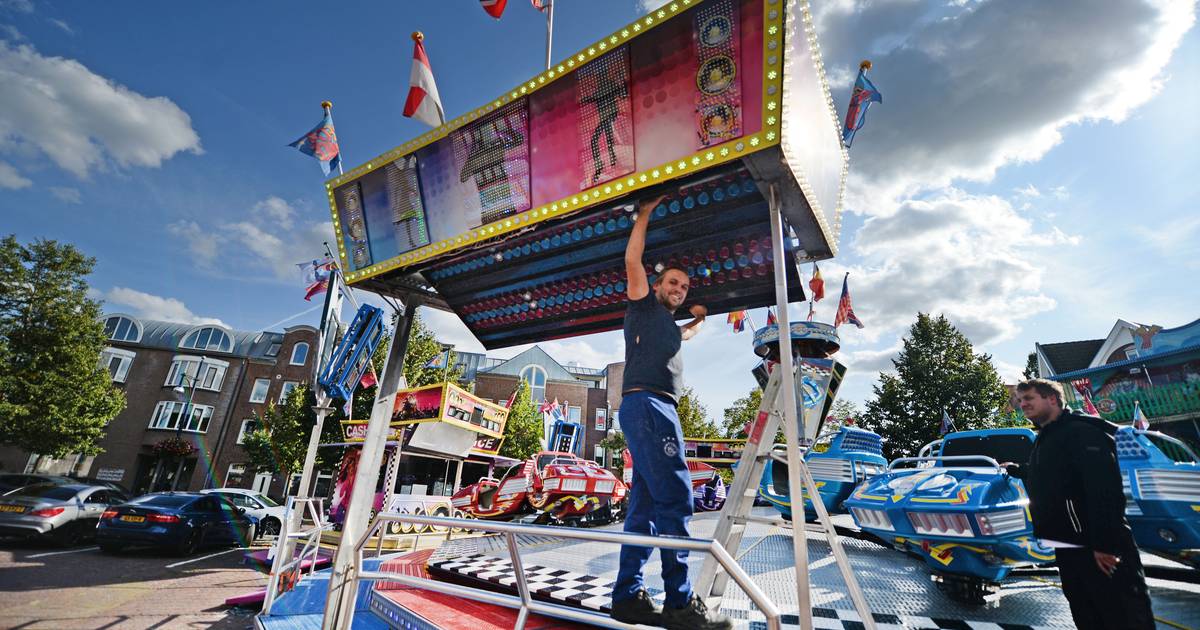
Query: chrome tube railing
{"type": "Point", "coordinates": [523, 601]}
{"type": "Point", "coordinates": [948, 458]}
{"type": "Point", "coordinates": [312, 546]}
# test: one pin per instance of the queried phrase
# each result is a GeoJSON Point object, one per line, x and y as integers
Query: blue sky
{"type": "Point", "coordinates": [1030, 173]}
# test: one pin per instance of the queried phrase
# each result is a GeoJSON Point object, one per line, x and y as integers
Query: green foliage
{"type": "Point", "coordinates": [55, 399]}
{"type": "Point", "coordinates": [937, 369]}
{"type": "Point", "coordinates": [841, 411]}
{"type": "Point", "coordinates": [693, 417]}
{"type": "Point", "coordinates": [523, 432]}
{"type": "Point", "coordinates": [280, 441]}
{"type": "Point", "coordinates": [740, 414]}
{"type": "Point", "coordinates": [615, 443]}
{"type": "Point", "coordinates": [1031, 366]}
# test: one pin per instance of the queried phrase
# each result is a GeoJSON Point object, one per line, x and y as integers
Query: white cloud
{"type": "Point", "coordinates": [646, 6]}
{"type": "Point", "coordinates": [150, 306]}
{"type": "Point", "coordinates": [969, 89]}
{"type": "Point", "coordinates": [268, 238]}
{"type": "Point", "coordinates": [66, 28]}
{"type": "Point", "coordinates": [17, 6]}
{"type": "Point", "coordinates": [201, 242]}
{"type": "Point", "coordinates": [66, 194]}
{"type": "Point", "coordinates": [10, 32]}
{"type": "Point", "coordinates": [83, 121]}
{"type": "Point", "coordinates": [10, 178]}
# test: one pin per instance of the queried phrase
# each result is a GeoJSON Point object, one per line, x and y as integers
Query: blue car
{"type": "Point", "coordinates": [180, 521]}
{"type": "Point", "coordinates": [839, 462]}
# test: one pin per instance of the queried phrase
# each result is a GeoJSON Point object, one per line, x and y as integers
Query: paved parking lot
{"type": "Point", "coordinates": [48, 588]}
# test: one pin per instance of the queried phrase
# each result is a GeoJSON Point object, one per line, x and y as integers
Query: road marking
{"type": "Point", "coordinates": [211, 555]}
{"type": "Point", "coordinates": [59, 553]}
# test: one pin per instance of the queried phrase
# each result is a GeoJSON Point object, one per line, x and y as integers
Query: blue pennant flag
{"type": "Point", "coordinates": [322, 144]}
{"type": "Point", "coordinates": [860, 99]}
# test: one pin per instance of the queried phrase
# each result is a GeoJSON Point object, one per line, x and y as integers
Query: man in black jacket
{"type": "Point", "coordinates": [1078, 507]}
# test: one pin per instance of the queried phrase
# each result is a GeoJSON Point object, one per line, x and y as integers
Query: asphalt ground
{"type": "Point", "coordinates": [51, 588]}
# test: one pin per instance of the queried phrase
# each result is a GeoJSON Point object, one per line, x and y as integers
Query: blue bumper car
{"type": "Point", "coordinates": [838, 462]}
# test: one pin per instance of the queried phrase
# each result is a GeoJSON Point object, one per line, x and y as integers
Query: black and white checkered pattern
{"type": "Point", "coordinates": [848, 619]}
{"type": "Point", "coordinates": [557, 585]}
{"type": "Point", "coordinates": [593, 593]}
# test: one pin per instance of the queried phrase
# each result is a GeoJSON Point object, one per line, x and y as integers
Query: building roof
{"type": "Point", "coordinates": [535, 355]}
{"type": "Point", "coordinates": [168, 335]}
{"type": "Point", "coordinates": [1070, 355]}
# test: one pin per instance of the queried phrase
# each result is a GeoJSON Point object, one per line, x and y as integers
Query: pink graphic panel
{"type": "Point", "coordinates": [664, 85]}
{"type": "Point", "coordinates": [718, 80]}
{"type": "Point", "coordinates": [605, 118]}
{"type": "Point", "coordinates": [555, 144]}
{"type": "Point", "coordinates": [494, 154]}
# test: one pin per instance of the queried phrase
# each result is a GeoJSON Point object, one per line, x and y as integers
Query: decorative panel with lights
{"type": "Point", "coordinates": [719, 100]}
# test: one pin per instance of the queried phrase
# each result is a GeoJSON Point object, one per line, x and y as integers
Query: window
{"type": "Point", "coordinates": [615, 425]}
{"type": "Point", "coordinates": [273, 350]}
{"type": "Point", "coordinates": [249, 425]}
{"type": "Point", "coordinates": [299, 354]}
{"type": "Point", "coordinates": [167, 415]}
{"type": "Point", "coordinates": [601, 418]}
{"type": "Point", "coordinates": [288, 386]}
{"type": "Point", "coordinates": [117, 363]}
{"type": "Point", "coordinates": [536, 377]}
{"type": "Point", "coordinates": [121, 328]}
{"type": "Point", "coordinates": [207, 338]}
{"type": "Point", "coordinates": [574, 414]}
{"type": "Point", "coordinates": [235, 474]}
{"type": "Point", "coordinates": [241, 500]}
{"type": "Point", "coordinates": [187, 372]}
{"type": "Point", "coordinates": [259, 393]}
{"type": "Point", "coordinates": [598, 455]}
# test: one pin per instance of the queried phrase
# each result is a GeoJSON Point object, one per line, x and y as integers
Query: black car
{"type": "Point", "coordinates": [12, 481]}
{"type": "Point", "coordinates": [180, 521]}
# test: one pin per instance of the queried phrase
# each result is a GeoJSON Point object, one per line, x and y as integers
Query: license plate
{"type": "Point", "coordinates": [12, 508]}
{"type": "Point", "coordinates": [133, 519]}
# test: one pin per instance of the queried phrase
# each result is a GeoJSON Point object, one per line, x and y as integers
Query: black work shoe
{"type": "Point", "coordinates": [639, 609]}
{"type": "Point", "coordinates": [694, 616]}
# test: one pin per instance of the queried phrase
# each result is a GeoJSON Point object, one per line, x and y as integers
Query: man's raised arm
{"type": "Point", "coordinates": [636, 285]}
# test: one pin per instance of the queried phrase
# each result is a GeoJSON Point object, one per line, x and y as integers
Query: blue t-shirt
{"type": "Point", "coordinates": [653, 360]}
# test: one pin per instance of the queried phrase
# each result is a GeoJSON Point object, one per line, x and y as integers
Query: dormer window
{"type": "Point", "coordinates": [207, 338]}
{"type": "Point", "coordinates": [122, 328]}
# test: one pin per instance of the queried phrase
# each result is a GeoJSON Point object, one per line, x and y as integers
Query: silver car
{"type": "Point", "coordinates": [62, 513]}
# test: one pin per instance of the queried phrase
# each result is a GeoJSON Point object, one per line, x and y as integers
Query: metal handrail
{"type": "Point", "coordinates": [312, 545]}
{"type": "Point", "coordinates": [524, 601]}
{"type": "Point", "coordinates": [946, 458]}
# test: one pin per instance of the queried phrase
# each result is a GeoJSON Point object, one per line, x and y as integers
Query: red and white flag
{"type": "Point", "coordinates": [423, 102]}
{"type": "Point", "coordinates": [540, 5]}
{"type": "Point", "coordinates": [494, 7]}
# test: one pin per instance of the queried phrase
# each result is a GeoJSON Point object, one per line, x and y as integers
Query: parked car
{"type": "Point", "coordinates": [181, 521]}
{"type": "Point", "coordinates": [101, 482]}
{"type": "Point", "coordinates": [63, 513]}
{"type": "Point", "coordinates": [12, 481]}
{"type": "Point", "coordinates": [265, 512]}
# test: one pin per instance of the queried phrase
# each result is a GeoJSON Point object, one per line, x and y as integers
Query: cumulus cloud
{"type": "Point", "coordinates": [66, 194]}
{"type": "Point", "coordinates": [17, 6]}
{"type": "Point", "coordinates": [970, 88]}
{"type": "Point", "coordinates": [268, 238]}
{"type": "Point", "coordinates": [82, 121]}
{"type": "Point", "coordinates": [10, 178]}
{"type": "Point", "coordinates": [149, 306]}
{"type": "Point", "coordinates": [646, 6]}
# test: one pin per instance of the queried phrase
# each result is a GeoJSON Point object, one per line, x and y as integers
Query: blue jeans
{"type": "Point", "coordinates": [660, 497]}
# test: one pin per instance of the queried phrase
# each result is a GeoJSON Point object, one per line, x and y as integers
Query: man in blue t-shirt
{"type": "Point", "coordinates": [660, 496]}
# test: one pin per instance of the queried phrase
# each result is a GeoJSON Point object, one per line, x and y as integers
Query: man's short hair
{"type": "Point", "coordinates": [1045, 388]}
{"type": "Point", "coordinates": [659, 277]}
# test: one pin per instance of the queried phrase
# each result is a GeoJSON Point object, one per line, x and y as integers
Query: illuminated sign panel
{"type": "Point", "coordinates": [680, 90]}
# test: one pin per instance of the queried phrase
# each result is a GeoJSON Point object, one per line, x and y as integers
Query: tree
{"type": "Point", "coordinates": [839, 413]}
{"type": "Point", "coordinates": [693, 417]}
{"type": "Point", "coordinates": [523, 432]}
{"type": "Point", "coordinates": [1031, 366]}
{"type": "Point", "coordinates": [280, 439]}
{"type": "Point", "coordinates": [55, 398]}
{"type": "Point", "coordinates": [615, 443]}
{"type": "Point", "coordinates": [743, 411]}
{"type": "Point", "coordinates": [937, 370]}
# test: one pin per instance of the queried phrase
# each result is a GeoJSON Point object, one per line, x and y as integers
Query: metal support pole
{"type": "Point", "coordinates": [791, 429]}
{"type": "Point", "coordinates": [549, 29]}
{"type": "Point", "coordinates": [339, 603]}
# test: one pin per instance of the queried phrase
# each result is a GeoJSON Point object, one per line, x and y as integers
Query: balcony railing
{"type": "Point", "coordinates": [1157, 402]}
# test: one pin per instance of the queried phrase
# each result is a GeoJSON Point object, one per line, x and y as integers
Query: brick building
{"type": "Point", "coordinates": [228, 376]}
{"type": "Point", "coordinates": [590, 396]}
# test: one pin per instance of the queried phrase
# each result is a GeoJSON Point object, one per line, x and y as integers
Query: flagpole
{"type": "Point", "coordinates": [328, 107]}
{"type": "Point", "coordinates": [549, 29]}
